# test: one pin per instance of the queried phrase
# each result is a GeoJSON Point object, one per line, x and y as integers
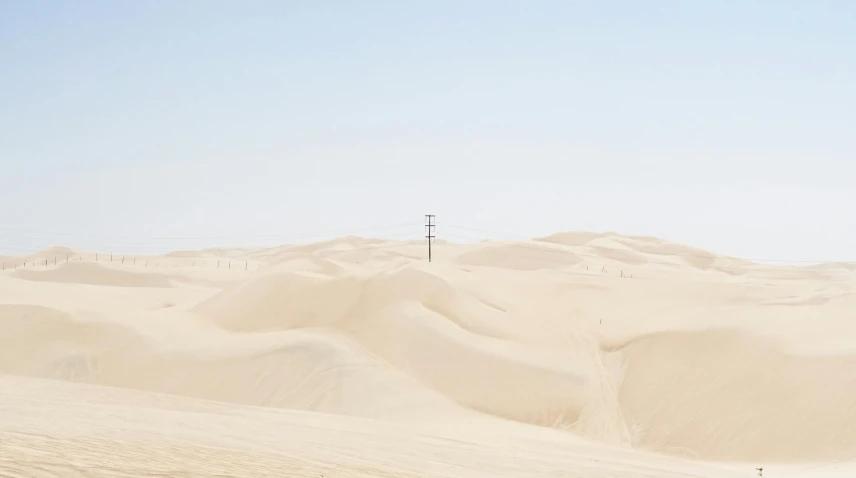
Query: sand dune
{"type": "Point", "coordinates": [410, 315]}
{"type": "Point", "coordinates": [577, 354]}
{"type": "Point", "coordinates": [643, 249]}
{"type": "Point", "coordinates": [294, 370]}
{"type": "Point", "coordinates": [518, 257]}
{"type": "Point", "coordinates": [94, 274]}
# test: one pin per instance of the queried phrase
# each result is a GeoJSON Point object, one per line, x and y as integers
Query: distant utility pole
{"type": "Point", "coordinates": [429, 226]}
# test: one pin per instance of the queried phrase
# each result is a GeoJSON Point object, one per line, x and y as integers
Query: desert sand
{"type": "Point", "coordinates": [574, 355]}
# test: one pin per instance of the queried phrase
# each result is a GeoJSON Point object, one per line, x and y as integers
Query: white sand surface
{"type": "Point", "coordinates": [574, 355]}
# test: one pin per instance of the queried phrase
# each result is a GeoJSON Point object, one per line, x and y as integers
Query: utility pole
{"type": "Point", "coordinates": [429, 226]}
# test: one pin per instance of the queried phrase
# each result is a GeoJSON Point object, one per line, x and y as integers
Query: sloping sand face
{"type": "Point", "coordinates": [574, 355]}
{"type": "Point", "coordinates": [737, 396]}
{"type": "Point", "coordinates": [294, 370]}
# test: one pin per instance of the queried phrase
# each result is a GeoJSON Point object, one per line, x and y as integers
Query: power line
{"type": "Point", "coordinates": [429, 226]}
{"type": "Point", "coordinates": [116, 242]}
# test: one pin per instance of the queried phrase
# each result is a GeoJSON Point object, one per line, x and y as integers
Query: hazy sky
{"type": "Point", "coordinates": [729, 125]}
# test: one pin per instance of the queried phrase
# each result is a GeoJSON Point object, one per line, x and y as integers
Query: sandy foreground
{"type": "Point", "coordinates": [575, 355]}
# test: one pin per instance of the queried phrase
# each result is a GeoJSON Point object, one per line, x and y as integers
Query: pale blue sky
{"type": "Point", "coordinates": [730, 125]}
